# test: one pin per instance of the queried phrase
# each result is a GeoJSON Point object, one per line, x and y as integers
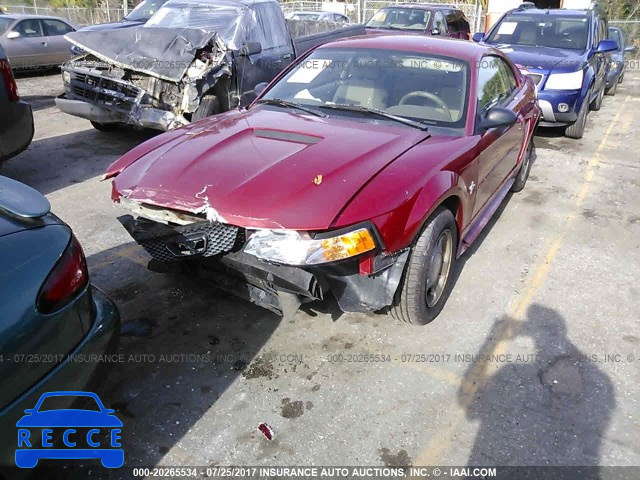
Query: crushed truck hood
{"type": "Point", "coordinates": [165, 53]}
{"type": "Point", "coordinates": [261, 168]}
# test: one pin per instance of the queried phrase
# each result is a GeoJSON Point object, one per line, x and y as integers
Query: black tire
{"type": "Point", "coordinates": [611, 91]}
{"type": "Point", "coordinates": [525, 168]}
{"type": "Point", "coordinates": [576, 130]}
{"type": "Point", "coordinates": [413, 303]}
{"type": "Point", "coordinates": [209, 105]}
{"type": "Point", "coordinates": [597, 103]}
{"type": "Point", "coordinates": [105, 127]}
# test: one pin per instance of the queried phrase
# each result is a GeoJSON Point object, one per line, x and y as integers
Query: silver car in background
{"type": "Point", "coordinates": [35, 41]}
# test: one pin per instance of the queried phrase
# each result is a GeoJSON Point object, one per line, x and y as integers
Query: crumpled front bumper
{"type": "Point", "coordinates": [145, 117]}
{"type": "Point", "coordinates": [202, 251]}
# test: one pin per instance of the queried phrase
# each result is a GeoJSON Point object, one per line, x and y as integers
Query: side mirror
{"type": "Point", "coordinates": [478, 36]}
{"type": "Point", "coordinates": [607, 46]}
{"type": "Point", "coordinates": [435, 31]}
{"type": "Point", "coordinates": [630, 49]}
{"type": "Point", "coordinates": [13, 34]}
{"type": "Point", "coordinates": [259, 88]}
{"type": "Point", "coordinates": [109, 411]}
{"type": "Point", "coordinates": [29, 411]}
{"type": "Point", "coordinates": [497, 117]}
{"type": "Point", "coordinates": [250, 48]}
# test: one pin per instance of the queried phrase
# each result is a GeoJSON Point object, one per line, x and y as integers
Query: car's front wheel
{"type": "Point", "coordinates": [576, 129]}
{"type": "Point", "coordinates": [427, 279]}
{"type": "Point", "coordinates": [611, 91]}
{"type": "Point", "coordinates": [597, 103]}
{"type": "Point", "coordinates": [523, 173]}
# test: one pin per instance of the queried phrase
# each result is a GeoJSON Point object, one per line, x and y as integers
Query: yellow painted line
{"type": "Point", "coordinates": [478, 377]}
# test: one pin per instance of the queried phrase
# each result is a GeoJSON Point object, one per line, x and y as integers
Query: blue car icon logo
{"type": "Point", "coordinates": [91, 433]}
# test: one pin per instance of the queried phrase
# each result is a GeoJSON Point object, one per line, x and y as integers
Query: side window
{"type": "Point", "coordinates": [56, 27]}
{"type": "Point", "coordinates": [492, 83]}
{"type": "Point", "coordinates": [452, 20]}
{"type": "Point", "coordinates": [507, 73]}
{"type": "Point", "coordinates": [29, 28]}
{"type": "Point", "coordinates": [270, 28]}
{"type": "Point", "coordinates": [439, 23]}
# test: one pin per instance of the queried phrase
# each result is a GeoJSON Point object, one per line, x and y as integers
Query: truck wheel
{"type": "Point", "coordinates": [597, 103]}
{"type": "Point", "coordinates": [105, 127]}
{"type": "Point", "coordinates": [576, 130]}
{"type": "Point", "coordinates": [611, 91]}
{"type": "Point", "coordinates": [209, 105]}
{"type": "Point", "coordinates": [527, 161]}
{"type": "Point", "coordinates": [427, 279]}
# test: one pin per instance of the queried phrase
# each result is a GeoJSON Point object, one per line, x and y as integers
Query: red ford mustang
{"type": "Point", "coordinates": [363, 171]}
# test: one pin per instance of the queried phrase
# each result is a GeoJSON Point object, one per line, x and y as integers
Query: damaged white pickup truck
{"type": "Point", "coordinates": [192, 59]}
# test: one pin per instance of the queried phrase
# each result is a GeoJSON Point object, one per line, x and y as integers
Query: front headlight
{"type": "Point", "coordinates": [565, 81]}
{"type": "Point", "coordinates": [66, 77]}
{"type": "Point", "coordinates": [298, 248]}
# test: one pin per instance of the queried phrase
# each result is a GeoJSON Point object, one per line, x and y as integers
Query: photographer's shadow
{"type": "Point", "coordinates": [552, 410]}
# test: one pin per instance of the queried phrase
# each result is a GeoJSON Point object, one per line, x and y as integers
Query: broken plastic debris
{"type": "Point", "coordinates": [318, 179]}
{"type": "Point", "coordinates": [267, 431]}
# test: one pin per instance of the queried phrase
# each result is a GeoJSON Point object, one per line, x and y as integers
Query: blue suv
{"type": "Point", "coordinates": [566, 54]}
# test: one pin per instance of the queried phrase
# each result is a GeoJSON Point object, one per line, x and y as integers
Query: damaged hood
{"type": "Point", "coordinates": [165, 53]}
{"type": "Point", "coordinates": [261, 168]}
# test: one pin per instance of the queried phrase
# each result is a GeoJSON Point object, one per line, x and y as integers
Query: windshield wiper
{"type": "Point", "coordinates": [284, 103]}
{"type": "Point", "coordinates": [374, 111]}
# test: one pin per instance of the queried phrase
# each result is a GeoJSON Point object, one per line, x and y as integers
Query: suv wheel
{"type": "Point", "coordinates": [576, 130]}
{"type": "Point", "coordinates": [597, 103]}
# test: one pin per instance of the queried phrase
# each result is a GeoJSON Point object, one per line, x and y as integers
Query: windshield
{"type": "Point", "coordinates": [616, 37]}
{"type": "Point", "coordinates": [425, 88]}
{"type": "Point", "coordinates": [144, 10]}
{"type": "Point", "coordinates": [541, 31]}
{"type": "Point", "coordinates": [400, 19]}
{"type": "Point", "coordinates": [4, 24]}
{"type": "Point", "coordinates": [224, 20]}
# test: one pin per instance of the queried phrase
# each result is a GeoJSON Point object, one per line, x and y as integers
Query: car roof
{"type": "Point", "coordinates": [550, 11]}
{"type": "Point", "coordinates": [225, 3]}
{"type": "Point", "coordinates": [21, 16]}
{"type": "Point", "coordinates": [460, 49]}
{"type": "Point", "coordinates": [423, 6]}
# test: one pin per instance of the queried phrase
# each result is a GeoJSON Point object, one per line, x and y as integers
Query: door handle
{"type": "Point", "coordinates": [44, 43]}
{"type": "Point", "coordinates": [287, 56]}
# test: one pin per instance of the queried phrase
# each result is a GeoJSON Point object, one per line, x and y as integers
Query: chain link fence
{"type": "Point", "coordinates": [359, 11]}
{"type": "Point", "coordinates": [472, 11]}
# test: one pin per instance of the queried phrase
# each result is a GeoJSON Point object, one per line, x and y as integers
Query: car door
{"type": "Point", "coordinates": [58, 49]}
{"type": "Point", "coordinates": [277, 50]}
{"type": "Point", "coordinates": [499, 147]}
{"type": "Point", "coordinates": [28, 48]}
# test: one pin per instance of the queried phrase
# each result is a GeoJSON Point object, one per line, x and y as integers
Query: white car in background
{"type": "Point", "coordinates": [318, 17]}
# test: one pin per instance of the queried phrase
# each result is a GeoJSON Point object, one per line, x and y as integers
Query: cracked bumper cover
{"type": "Point", "coordinates": [279, 288]}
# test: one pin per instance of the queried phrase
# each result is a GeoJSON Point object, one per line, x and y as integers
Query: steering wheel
{"type": "Point", "coordinates": [429, 96]}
